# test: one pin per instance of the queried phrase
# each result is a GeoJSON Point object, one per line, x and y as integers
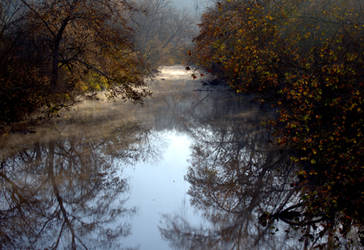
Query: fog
{"type": "Point", "coordinates": [196, 5]}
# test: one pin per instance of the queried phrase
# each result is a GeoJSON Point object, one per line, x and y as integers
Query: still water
{"type": "Point", "coordinates": [191, 168]}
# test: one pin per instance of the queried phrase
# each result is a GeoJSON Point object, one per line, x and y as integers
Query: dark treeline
{"type": "Point", "coordinates": [306, 59]}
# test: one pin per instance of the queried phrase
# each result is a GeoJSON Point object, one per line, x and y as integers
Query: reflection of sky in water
{"type": "Point", "coordinates": [157, 185]}
{"type": "Point", "coordinates": [153, 146]}
{"type": "Point", "coordinates": [158, 188]}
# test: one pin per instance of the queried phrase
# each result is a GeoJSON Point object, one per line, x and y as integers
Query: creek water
{"type": "Point", "coordinates": [191, 168]}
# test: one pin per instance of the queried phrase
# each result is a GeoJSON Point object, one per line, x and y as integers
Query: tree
{"type": "Point", "coordinates": [86, 36]}
{"type": "Point", "coordinates": [64, 48]}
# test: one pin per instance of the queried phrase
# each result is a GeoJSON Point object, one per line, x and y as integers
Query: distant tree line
{"type": "Point", "coordinates": [163, 34]}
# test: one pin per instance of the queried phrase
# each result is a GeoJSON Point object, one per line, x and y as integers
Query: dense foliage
{"type": "Point", "coordinates": [306, 58]}
{"type": "Point", "coordinates": [53, 50]}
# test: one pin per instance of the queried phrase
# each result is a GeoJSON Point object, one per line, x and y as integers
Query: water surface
{"type": "Point", "coordinates": [192, 168]}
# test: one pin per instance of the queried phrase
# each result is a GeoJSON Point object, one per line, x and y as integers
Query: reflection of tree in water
{"type": "Point", "coordinates": [182, 105]}
{"type": "Point", "coordinates": [235, 177]}
{"type": "Point", "coordinates": [70, 193]}
{"type": "Point", "coordinates": [242, 185]}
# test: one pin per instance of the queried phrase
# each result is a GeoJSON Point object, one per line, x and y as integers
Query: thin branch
{"type": "Point", "coordinates": [40, 17]}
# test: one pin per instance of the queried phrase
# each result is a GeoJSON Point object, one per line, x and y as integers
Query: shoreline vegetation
{"type": "Point", "coordinates": [305, 58]}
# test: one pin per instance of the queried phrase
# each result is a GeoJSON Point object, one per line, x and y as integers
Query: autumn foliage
{"type": "Point", "coordinates": [52, 51]}
{"type": "Point", "coordinates": [306, 58]}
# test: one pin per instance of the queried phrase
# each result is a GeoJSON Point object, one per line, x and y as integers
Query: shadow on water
{"type": "Point", "coordinates": [65, 186]}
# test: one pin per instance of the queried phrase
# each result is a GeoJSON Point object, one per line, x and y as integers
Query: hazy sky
{"type": "Point", "coordinates": [184, 3]}
{"type": "Point", "coordinates": [190, 4]}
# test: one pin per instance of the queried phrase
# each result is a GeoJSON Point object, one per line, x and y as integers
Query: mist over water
{"type": "Point", "coordinates": [96, 118]}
